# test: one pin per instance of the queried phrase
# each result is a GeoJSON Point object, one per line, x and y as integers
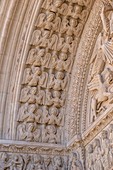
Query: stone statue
{"type": "Point", "coordinates": [43, 79]}
{"type": "Point", "coordinates": [53, 42]}
{"type": "Point", "coordinates": [63, 9]}
{"type": "Point", "coordinates": [57, 23]}
{"type": "Point", "coordinates": [58, 82]}
{"type": "Point", "coordinates": [45, 60]}
{"type": "Point", "coordinates": [89, 158]}
{"type": "Point", "coordinates": [24, 96]}
{"type": "Point", "coordinates": [58, 101]}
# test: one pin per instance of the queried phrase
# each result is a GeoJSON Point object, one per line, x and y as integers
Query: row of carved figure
{"type": "Point", "coordinates": [32, 132]}
{"type": "Point", "coordinates": [34, 76]}
{"type": "Point", "coordinates": [73, 8]}
{"type": "Point", "coordinates": [56, 23]}
{"type": "Point", "coordinates": [31, 113]}
{"type": "Point", "coordinates": [31, 162]}
{"type": "Point", "coordinates": [43, 57]}
{"type": "Point", "coordinates": [99, 154]}
{"type": "Point", "coordinates": [9, 161]}
{"type": "Point", "coordinates": [47, 98]}
{"type": "Point", "coordinates": [45, 39]}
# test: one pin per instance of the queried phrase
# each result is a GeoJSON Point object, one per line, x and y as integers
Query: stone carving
{"type": "Point", "coordinates": [99, 153]}
{"type": "Point", "coordinates": [18, 161]}
{"type": "Point", "coordinates": [75, 162]}
{"type": "Point", "coordinates": [48, 70]}
{"type": "Point", "coordinates": [101, 83]}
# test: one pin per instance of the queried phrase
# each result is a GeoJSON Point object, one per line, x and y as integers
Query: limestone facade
{"type": "Point", "coordinates": [56, 85]}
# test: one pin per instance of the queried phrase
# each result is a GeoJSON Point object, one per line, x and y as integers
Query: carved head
{"type": "Point", "coordinates": [78, 9]}
{"type": "Point", "coordinates": [50, 16]}
{"type": "Point", "coordinates": [96, 143]}
{"type": "Point", "coordinates": [63, 56]}
{"type": "Point", "coordinates": [69, 39]}
{"type": "Point", "coordinates": [60, 75]}
{"type": "Point", "coordinates": [33, 90]}
{"type": "Point", "coordinates": [73, 22]}
{"type": "Point", "coordinates": [51, 129]}
{"type": "Point", "coordinates": [58, 3]}
{"type": "Point", "coordinates": [54, 111]}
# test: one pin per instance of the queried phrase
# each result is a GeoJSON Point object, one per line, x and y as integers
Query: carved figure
{"type": "Point", "coordinates": [43, 79]}
{"type": "Point", "coordinates": [45, 115]}
{"type": "Point", "coordinates": [22, 113]}
{"type": "Point", "coordinates": [63, 9]}
{"type": "Point", "coordinates": [41, 97]}
{"type": "Point", "coordinates": [49, 98]}
{"type": "Point", "coordinates": [44, 39]}
{"type": "Point", "coordinates": [16, 163]}
{"type": "Point", "coordinates": [89, 161]}
{"type": "Point", "coordinates": [57, 163]}
{"type": "Point", "coordinates": [51, 135]}
{"type": "Point", "coordinates": [58, 101]}
{"type": "Point", "coordinates": [47, 4]}
{"type": "Point", "coordinates": [36, 38]}
{"type": "Point", "coordinates": [75, 163]}
{"type": "Point", "coordinates": [51, 80]}
{"type": "Point", "coordinates": [32, 95]}
{"type": "Point", "coordinates": [97, 155]}
{"type": "Point", "coordinates": [53, 42]}
{"type": "Point", "coordinates": [77, 11]}
{"type": "Point", "coordinates": [53, 60]}
{"type": "Point", "coordinates": [47, 163]}
{"type": "Point", "coordinates": [64, 25]}
{"type": "Point", "coordinates": [49, 20]}
{"type": "Point", "coordinates": [56, 5]}
{"type": "Point", "coordinates": [4, 161]}
{"type": "Point", "coordinates": [71, 27]}
{"type": "Point", "coordinates": [61, 62]}
{"type": "Point", "coordinates": [40, 54]}
{"type": "Point", "coordinates": [37, 162]}
{"type": "Point", "coordinates": [24, 96]}
{"type": "Point", "coordinates": [35, 76]}
{"type": "Point", "coordinates": [67, 45]}
{"type": "Point", "coordinates": [26, 76]}
{"type": "Point", "coordinates": [41, 20]}
{"type": "Point", "coordinates": [45, 60]}
{"type": "Point", "coordinates": [60, 81]}
{"type": "Point", "coordinates": [105, 150]}
{"type": "Point", "coordinates": [57, 24]}
{"type": "Point", "coordinates": [31, 56]}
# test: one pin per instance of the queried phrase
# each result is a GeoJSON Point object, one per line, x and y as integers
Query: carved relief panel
{"type": "Point", "coordinates": [100, 80]}
{"type": "Point", "coordinates": [99, 153]}
{"type": "Point", "coordinates": [47, 70]}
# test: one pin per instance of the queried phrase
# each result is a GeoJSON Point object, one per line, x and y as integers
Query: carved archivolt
{"type": "Point", "coordinates": [47, 70]}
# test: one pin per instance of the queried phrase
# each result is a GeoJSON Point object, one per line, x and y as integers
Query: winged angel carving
{"type": "Point", "coordinates": [101, 80]}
